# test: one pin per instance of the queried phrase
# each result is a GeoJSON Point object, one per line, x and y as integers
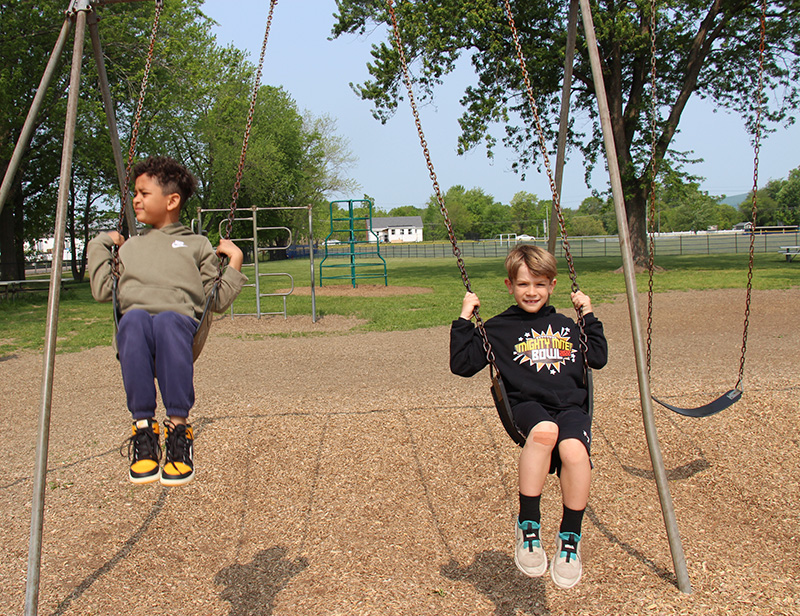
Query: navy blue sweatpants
{"type": "Point", "coordinates": [159, 346]}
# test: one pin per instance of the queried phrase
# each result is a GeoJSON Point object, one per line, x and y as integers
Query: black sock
{"type": "Point", "coordinates": [572, 520]}
{"type": "Point", "coordinates": [529, 508]}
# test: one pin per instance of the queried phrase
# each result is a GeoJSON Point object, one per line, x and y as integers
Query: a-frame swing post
{"type": "Point", "coordinates": [111, 119]}
{"type": "Point", "coordinates": [667, 509]}
{"type": "Point", "coordinates": [563, 122]}
{"type": "Point", "coordinates": [51, 327]}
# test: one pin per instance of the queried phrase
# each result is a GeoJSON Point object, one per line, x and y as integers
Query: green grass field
{"type": "Point", "coordinates": [84, 323]}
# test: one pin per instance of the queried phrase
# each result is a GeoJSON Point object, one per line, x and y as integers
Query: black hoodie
{"type": "Point", "coordinates": [538, 354]}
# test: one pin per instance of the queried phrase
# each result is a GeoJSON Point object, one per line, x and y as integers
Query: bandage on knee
{"type": "Point", "coordinates": [544, 437]}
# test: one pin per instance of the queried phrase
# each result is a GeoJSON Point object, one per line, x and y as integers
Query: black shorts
{"type": "Point", "coordinates": [572, 423]}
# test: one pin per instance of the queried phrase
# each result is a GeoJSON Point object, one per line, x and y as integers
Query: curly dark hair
{"type": "Point", "coordinates": [172, 176]}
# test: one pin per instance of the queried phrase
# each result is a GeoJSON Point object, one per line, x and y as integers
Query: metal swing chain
{"type": "Point", "coordinates": [240, 171]}
{"type": "Point", "coordinates": [556, 198]}
{"type": "Point", "coordinates": [651, 228]}
{"type": "Point", "coordinates": [487, 347]}
{"type": "Point", "coordinates": [754, 212]}
{"type": "Point", "coordinates": [159, 4]}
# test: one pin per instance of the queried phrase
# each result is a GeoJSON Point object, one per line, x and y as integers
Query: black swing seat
{"type": "Point", "coordinates": [720, 404]}
{"type": "Point", "coordinates": [504, 408]}
{"type": "Point", "coordinates": [205, 323]}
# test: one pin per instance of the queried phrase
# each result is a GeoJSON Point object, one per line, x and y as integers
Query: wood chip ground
{"type": "Point", "coordinates": [344, 472]}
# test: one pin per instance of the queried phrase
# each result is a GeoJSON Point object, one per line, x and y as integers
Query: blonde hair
{"type": "Point", "coordinates": [538, 261]}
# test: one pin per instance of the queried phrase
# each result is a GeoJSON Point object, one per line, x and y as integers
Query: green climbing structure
{"type": "Point", "coordinates": [352, 250]}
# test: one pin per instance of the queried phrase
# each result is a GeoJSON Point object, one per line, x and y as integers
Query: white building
{"type": "Point", "coordinates": [42, 249]}
{"type": "Point", "coordinates": [396, 229]}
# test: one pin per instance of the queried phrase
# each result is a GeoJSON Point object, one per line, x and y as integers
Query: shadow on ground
{"type": "Point", "coordinates": [494, 575]}
{"type": "Point", "coordinates": [251, 589]}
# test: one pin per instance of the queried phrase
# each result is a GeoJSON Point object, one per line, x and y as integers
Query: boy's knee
{"type": "Point", "coordinates": [166, 319]}
{"type": "Point", "coordinates": [544, 434]}
{"type": "Point", "coordinates": [573, 452]}
{"type": "Point", "coordinates": [134, 324]}
{"type": "Point", "coordinates": [172, 323]}
{"type": "Point", "coordinates": [134, 318]}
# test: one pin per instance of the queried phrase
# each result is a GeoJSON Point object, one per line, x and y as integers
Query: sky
{"type": "Point", "coordinates": [391, 167]}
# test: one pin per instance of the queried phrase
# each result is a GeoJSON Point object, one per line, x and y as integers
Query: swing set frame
{"type": "Point", "coordinates": [642, 356]}
{"type": "Point", "coordinates": [80, 14]}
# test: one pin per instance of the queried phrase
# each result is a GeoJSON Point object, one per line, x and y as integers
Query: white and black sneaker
{"type": "Point", "coordinates": [529, 555]}
{"type": "Point", "coordinates": [566, 568]}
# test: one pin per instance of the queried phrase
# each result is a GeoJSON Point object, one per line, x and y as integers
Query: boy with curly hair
{"type": "Point", "coordinates": [165, 275]}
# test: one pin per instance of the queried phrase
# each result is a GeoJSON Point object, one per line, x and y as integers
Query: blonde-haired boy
{"type": "Point", "coordinates": [538, 354]}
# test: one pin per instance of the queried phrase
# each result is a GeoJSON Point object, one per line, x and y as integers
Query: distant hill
{"type": "Point", "coordinates": [734, 200]}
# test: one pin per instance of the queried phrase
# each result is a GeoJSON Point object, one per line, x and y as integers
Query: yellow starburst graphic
{"type": "Point", "coordinates": [546, 349]}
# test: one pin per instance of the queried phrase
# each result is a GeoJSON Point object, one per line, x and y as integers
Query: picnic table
{"type": "Point", "coordinates": [789, 251]}
{"type": "Point", "coordinates": [8, 288]}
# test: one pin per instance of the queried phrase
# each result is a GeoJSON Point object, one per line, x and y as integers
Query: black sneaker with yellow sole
{"type": "Point", "coordinates": [179, 463]}
{"type": "Point", "coordinates": [144, 451]}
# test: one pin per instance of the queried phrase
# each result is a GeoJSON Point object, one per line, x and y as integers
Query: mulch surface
{"type": "Point", "coordinates": [344, 472]}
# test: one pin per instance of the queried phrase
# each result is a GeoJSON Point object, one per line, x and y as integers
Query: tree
{"type": "Point", "coordinates": [406, 210]}
{"type": "Point", "coordinates": [527, 213]}
{"type": "Point", "coordinates": [461, 218]}
{"type": "Point", "coordinates": [768, 208]}
{"type": "Point", "coordinates": [495, 219]}
{"type": "Point", "coordinates": [789, 199]}
{"type": "Point", "coordinates": [726, 216]}
{"type": "Point", "coordinates": [195, 110]}
{"type": "Point", "coordinates": [581, 225]}
{"type": "Point", "coordinates": [707, 49]}
{"type": "Point", "coordinates": [27, 35]}
{"type": "Point", "coordinates": [488, 217]}
{"type": "Point", "coordinates": [332, 152]}
{"type": "Point", "coordinates": [602, 210]}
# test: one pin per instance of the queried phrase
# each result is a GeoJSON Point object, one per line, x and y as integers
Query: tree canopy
{"type": "Point", "coordinates": [195, 110]}
{"type": "Point", "coordinates": [706, 49]}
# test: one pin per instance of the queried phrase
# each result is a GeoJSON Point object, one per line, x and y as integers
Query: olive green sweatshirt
{"type": "Point", "coordinates": [167, 269]}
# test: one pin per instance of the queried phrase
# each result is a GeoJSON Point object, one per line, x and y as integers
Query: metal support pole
{"type": "Point", "coordinates": [352, 246]}
{"type": "Point", "coordinates": [563, 123]}
{"type": "Point", "coordinates": [667, 509]}
{"type": "Point", "coordinates": [311, 265]}
{"type": "Point", "coordinates": [26, 134]}
{"type": "Point", "coordinates": [51, 327]}
{"type": "Point", "coordinates": [255, 262]}
{"type": "Point", "coordinates": [108, 105]}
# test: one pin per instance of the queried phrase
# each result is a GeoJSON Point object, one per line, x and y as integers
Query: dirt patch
{"type": "Point", "coordinates": [361, 290]}
{"type": "Point", "coordinates": [276, 324]}
{"type": "Point", "coordinates": [353, 474]}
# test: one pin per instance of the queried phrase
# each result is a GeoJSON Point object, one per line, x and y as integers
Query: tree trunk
{"type": "Point", "coordinates": [12, 250]}
{"type": "Point", "coordinates": [87, 212]}
{"type": "Point", "coordinates": [71, 229]}
{"type": "Point", "coordinates": [636, 210]}
{"type": "Point", "coordinates": [78, 265]}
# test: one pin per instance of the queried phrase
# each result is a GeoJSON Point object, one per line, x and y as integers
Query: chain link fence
{"type": "Point", "coordinates": [603, 246]}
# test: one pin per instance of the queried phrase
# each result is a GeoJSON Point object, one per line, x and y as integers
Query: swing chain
{"type": "Point", "coordinates": [487, 347]}
{"type": "Point", "coordinates": [754, 211]}
{"type": "Point", "coordinates": [556, 197]}
{"type": "Point", "coordinates": [240, 171]}
{"type": "Point", "coordinates": [159, 7]}
{"type": "Point", "coordinates": [651, 224]}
